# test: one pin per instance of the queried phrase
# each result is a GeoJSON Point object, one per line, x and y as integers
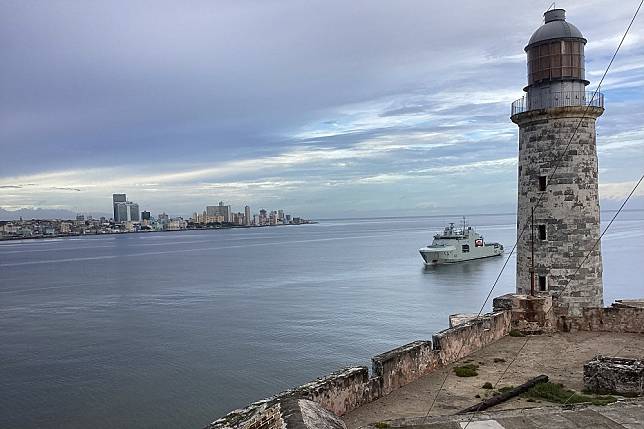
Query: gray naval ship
{"type": "Point", "coordinates": [457, 245]}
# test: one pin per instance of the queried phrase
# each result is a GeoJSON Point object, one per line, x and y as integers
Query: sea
{"type": "Point", "coordinates": [175, 329]}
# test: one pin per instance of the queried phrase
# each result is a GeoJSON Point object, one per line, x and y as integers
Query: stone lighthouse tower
{"type": "Point", "coordinates": [558, 199]}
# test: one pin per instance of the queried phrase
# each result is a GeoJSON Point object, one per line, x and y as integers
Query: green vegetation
{"type": "Point", "coordinates": [505, 389]}
{"type": "Point", "coordinates": [557, 393]}
{"type": "Point", "coordinates": [382, 425]}
{"type": "Point", "coordinates": [487, 385]}
{"type": "Point", "coordinates": [467, 370]}
{"type": "Point", "coordinates": [516, 333]}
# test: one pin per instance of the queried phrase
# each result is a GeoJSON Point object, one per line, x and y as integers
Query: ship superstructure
{"type": "Point", "coordinates": [457, 244]}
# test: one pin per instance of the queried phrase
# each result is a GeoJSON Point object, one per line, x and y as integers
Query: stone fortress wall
{"type": "Point", "coordinates": [350, 388]}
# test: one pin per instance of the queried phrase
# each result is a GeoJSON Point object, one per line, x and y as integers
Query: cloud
{"type": "Point", "coordinates": [324, 107]}
{"type": "Point", "coordinates": [620, 190]}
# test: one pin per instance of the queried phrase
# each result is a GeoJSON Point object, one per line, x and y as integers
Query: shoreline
{"type": "Point", "coordinates": [45, 237]}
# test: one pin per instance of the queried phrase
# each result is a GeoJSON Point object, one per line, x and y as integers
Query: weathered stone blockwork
{"type": "Point", "coordinates": [405, 364]}
{"type": "Point", "coordinates": [529, 314]}
{"type": "Point", "coordinates": [342, 391]}
{"type": "Point", "coordinates": [348, 389]}
{"type": "Point", "coordinates": [614, 375]}
{"type": "Point", "coordinates": [610, 319]}
{"type": "Point", "coordinates": [568, 208]}
{"type": "Point", "coordinates": [462, 340]}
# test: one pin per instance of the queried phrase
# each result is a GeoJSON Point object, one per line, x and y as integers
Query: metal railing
{"type": "Point", "coordinates": [558, 99]}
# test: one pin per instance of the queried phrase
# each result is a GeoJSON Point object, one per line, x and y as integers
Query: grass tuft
{"type": "Point", "coordinates": [487, 385]}
{"type": "Point", "coordinates": [382, 425]}
{"type": "Point", "coordinates": [468, 370]}
{"type": "Point", "coordinates": [516, 333]}
{"type": "Point", "coordinates": [557, 393]}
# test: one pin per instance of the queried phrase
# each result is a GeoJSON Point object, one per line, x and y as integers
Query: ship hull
{"type": "Point", "coordinates": [458, 245]}
{"type": "Point", "coordinates": [454, 261]}
{"type": "Point", "coordinates": [435, 256]}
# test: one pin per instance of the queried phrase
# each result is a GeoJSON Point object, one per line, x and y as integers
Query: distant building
{"type": "Point", "coordinates": [246, 215]}
{"type": "Point", "coordinates": [80, 217]}
{"type": "Point", "coordinates": [176, 224]}
{"type": "Point", "coordinates": [220, 210]}
{"type": "Point", "coordinates": [124, 210]}
{"type": "Point", "coordinates": [119, 198]}
{"type": "Point", "coordinates": [145, 215]}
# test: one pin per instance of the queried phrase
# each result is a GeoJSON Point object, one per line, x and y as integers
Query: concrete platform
{"type": "Point", "coordinates": [560, 356]}
{"type": "Point", "coordinates": [627, 414]}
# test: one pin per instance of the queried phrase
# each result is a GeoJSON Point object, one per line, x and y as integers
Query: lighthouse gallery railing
{"type": "Point", "coordinates": [558, 99]}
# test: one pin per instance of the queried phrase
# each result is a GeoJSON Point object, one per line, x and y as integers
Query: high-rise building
{"type": "Point", "coordinates": [120, 212]}
{"type": "Point", "coordinates": [145, 215]}
{"type": "Point", "coordinates": [220, 210]}
{"type": "Point", "coordinates": [117, 198]}
{"type": "Point", "coordinates": [124, 211]}
{"type": "Point", "coordinates": [133, 212]}
{"type": "Point", "coordinates": [246, 215]}
{"type": "Point", "coordinates": [558, 201]}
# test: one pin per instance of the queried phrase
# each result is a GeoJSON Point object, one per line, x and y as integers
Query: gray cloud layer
{"type": "Point", "coordinates": [325, 107]}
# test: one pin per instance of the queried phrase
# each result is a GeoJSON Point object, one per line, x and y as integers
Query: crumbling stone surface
{"type": "Point", "coordinates": [460, 318]}
{"type": "Point", "coordinates": [310, 415]}
{"type": "Point", "coordinates": [405, 364]}
{"type": "Point", "coordinates": [617, 318]}
{"type": "Point", "coordinates": [614, 375]}
{"type": "Point", "coordinates": [628, 303]}
{"type": "Point", "coordinates": [270, 418]}
{"type": "Point", "coordinates": [351, 388]}
{"type": "Point", "coordinates": [462, 340]}
{"type": "Point", "coordinates": [530, 314]}
{"type": "Point", "coordinates": [568, 209]}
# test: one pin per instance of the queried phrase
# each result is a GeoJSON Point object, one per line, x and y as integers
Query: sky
{"type": "Point", "coordinates": [324, 108]}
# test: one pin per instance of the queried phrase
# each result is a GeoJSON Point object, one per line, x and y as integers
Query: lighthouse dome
{"type": "Point", "coordinates": [555, 27]}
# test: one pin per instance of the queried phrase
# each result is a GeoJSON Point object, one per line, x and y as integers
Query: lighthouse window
{"type": "Point", "coordinates": [542, 232]}
{"type": "Point", "coordinates": [554, 60]}
{"type": "Point", "coordinates": [465, 248]}
{"type": "Point", "coordinates": [542, 183]}
{"type": "Point", "coordinates": [542, 283]}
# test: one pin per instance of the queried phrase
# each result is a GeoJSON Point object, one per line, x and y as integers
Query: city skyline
{"type": "Point", "coordinates": [128, 218]}
{"type": "Point", "coordinates": [409, 116]}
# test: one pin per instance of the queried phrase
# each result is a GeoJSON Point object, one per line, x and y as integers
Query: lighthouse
{"type": "Point", "coordinates": [558, 201]}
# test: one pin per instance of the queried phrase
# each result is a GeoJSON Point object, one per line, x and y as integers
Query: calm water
{"type": "Point", "coordinates": [175, 329]}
